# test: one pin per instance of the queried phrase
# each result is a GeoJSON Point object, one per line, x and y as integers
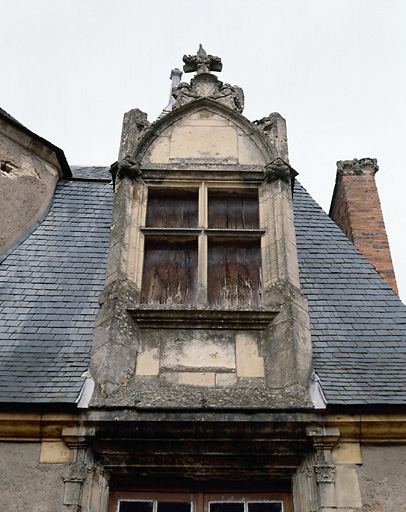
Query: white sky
{"type": "Point", "coordinates": [335, 69]}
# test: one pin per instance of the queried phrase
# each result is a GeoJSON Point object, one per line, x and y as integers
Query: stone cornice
{"type": "Point", "coordinates": [34, 426]}
{"type": "Point", "coordinates": [355, 167]}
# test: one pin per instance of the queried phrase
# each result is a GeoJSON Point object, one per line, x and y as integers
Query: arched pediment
{"type": "Point", "coordinates": [203, 132]}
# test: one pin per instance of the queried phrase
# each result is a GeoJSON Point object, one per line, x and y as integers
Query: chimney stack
{"type": "Point", "coordinates": [356, 209]}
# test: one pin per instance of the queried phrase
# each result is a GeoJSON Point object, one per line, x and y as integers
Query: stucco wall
{"type": "Point", "coordinates": [27, 183]}
{"type": "Point", "coordinates": [25, 484]}
{"type": "Point", "coordinates": [382, 478]}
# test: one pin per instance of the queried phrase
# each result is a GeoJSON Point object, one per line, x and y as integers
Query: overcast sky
{"type": "Point", "coordinates": [335, 69]}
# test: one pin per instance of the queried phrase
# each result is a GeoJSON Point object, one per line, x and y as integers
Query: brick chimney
{"type": "Point", "coordinates": [356, 209]}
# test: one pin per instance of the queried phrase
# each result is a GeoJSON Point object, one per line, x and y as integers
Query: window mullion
{"type": "Point", "coordinates": [202, 246]}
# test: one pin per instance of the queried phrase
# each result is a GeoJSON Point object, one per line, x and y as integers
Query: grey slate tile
{"type": "Point", "coordinates": [350, 290]}
{"type": "Point", "coordinates": [38, 276]}
{"type": "Point", "coordinates": [358, 324]}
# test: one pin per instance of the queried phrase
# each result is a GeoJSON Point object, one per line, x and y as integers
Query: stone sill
{"type": "Point", "coordinates": [195, 171]}
{"type": "Point", "coordinates": [196, 317]}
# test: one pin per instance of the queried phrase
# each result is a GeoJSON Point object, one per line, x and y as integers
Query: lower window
{"type": "Point", "coordinates": [199, 502]}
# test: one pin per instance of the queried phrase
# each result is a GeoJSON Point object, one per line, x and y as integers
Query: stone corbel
{"type": "Point", "coordinates": [278, 169]}
{"type": "Point", "coordinates": [77, 440]}
{"type": "Point", "coordinates": [125, 167]}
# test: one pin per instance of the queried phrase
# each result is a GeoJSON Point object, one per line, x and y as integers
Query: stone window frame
{"type": "Point", "coordinates": [202, 314]}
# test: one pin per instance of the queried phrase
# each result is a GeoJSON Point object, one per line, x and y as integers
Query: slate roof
{"type": "Point", "coordinates": [358, 324]}
{"type": "Point", "coordinates": [91, 173]}
{"type": "Point", "coordinates": [50, 283]}
{"type": "Point", "coordinates": [48, 288]}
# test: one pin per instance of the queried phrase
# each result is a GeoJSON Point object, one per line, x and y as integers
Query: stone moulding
{"type": "Point", "coordinates": [201, 172]}
{"type": "Point", "coordinates": [153, 131]}
{"type": "Point", "coordinates": [174, 317]}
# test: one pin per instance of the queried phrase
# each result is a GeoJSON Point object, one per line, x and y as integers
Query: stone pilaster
{"type": "Point", "coordinates": [115, 342]}
{"type": "Point", "coordinates": [288, 358]}
{"type": "Point", "coordinates": [322, 484]}
{"type": "Point", "coordinates": [86, 483]}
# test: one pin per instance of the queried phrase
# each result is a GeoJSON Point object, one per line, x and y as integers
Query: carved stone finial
{"type": "Point", "coordinates": [206, 85]}
{"type": "Point", "coordinates": [201, 62]}
{"type": "Point", "coordinates": [364, 166]}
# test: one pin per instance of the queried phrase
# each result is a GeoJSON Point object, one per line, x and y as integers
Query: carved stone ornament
{"type": "Point", "coordinates": [279, 170]}
{"type": "Point", "coordinates": [325, 473]}
{"type": "Point", "coordinates": [206, 85]}
{"type": "Point", "coordinates": [201, 62]}
{"type": "Point", "coordinates": [231, 96]}
{"type": "Point", "coordinates": [75, 472]}
{"type": "Point", "coordinates": [265, 124]}
{"type": "Point", "coordinates": [140, 120]}
{"type": "Point", "coordinates": [126, 167]}
{"type": "Point", "coordinates": [364, 166]}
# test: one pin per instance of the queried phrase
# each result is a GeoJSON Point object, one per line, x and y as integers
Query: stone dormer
{"type": "Point", "coordinates": [202, 306]}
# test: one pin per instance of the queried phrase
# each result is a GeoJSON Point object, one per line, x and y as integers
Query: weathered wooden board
{"type": "Point", "coordinates": [170, 273]}
{"type": "Point", "coordinates": [233, 211]}
{"type": "Point", "coordinates": [172, 210]}
{"type": "Point", "coordinates": [234, 276]}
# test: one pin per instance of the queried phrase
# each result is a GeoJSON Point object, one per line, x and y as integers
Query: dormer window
{"type": "Point", "coordinates": [202, 283]}
{"type": "Point", "coordinates": [202, 246]}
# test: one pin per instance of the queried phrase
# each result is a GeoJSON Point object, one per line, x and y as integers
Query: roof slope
{"type": "Point", "coordinates": [49, 287]}
{"type": "Point", "coordinates": [91, 173]}
{"type": "Point", "coordinates": [50, 283]}
{"type": "Point", "coordinates": [358, 324]}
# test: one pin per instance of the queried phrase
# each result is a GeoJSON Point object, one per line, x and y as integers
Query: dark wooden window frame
{"type": "Point", "coordinates": [208, 234]}
{"type": "Point", "coordinates": [200, 500]}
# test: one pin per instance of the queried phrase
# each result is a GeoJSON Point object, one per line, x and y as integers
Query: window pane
{"type": "Point", "coordinates": [265, 507]}
{"type": "Point", "coordinates": [172, 209]}
{"type": "Point", "coordinates": [233, 211]}
{"type": "Point", "coordinates": [234, 273]}
{"type": "Point", "coordinates": [170, 273]}
{"type": "Point", "coordinates": [168, 506]}
{"type": "Point", "coordinates": [227, 507]}
{"type": "Point", "coordinates": [136, 506]}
